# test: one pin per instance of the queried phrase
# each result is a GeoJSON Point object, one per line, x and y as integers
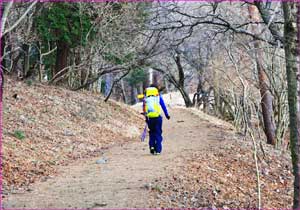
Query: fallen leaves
{"type": "Point", "coordinates": [225, 177]}
{"type": "Point", "coordinates": [56, 126]}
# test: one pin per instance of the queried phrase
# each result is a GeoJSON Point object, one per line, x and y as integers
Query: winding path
{"type": "Point", "coordinates": [123, 180]}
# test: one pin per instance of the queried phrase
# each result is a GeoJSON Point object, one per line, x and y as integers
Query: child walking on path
{"type": "Point", "coordinates": [152, 106]}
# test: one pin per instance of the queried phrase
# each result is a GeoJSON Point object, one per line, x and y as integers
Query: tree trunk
{"type": "Point", "coordinates": [84, 72]}
{"type": "Point", "coordinates": [17, 65]}
{"type": "Point", "coordinates": [186, 98]}
{"type": "Point", "coordinates": [185, 95]}
{"type": "Point", "coordinates": [40, 66]}
{"type": "Point", "coordinates": [3, 38]}
{"type": "Point", "coordinates": [124, 92]}
{"type": "Point", "coordinates": [3, 42]}
{"type": "Point", "coordinates": [293, 72]}
{"type": "Point", "coordinates": [150, 76]}
{"type": "Point", "coordinates": [266, 97]}
{"type": "Point", "coordinates": [26, 64]}
{"type": "Point", "coordinates": [199, 90]}
{"type": "Point", "coordinates": [198, 97]}
{"type": "Point", "coordinates": [62, 55]}
{"type": "Point", "coordinates": [146, 82]}
{"type": "Point", "coordinates": [155, 78]}
{"type": "Point", "coordinates": [133, 95]}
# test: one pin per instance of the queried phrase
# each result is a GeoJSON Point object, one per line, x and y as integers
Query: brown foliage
{"type": "Point", "coordinates": [60, 126]}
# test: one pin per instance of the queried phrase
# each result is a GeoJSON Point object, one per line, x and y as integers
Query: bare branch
{"type": "Point", "coordinates": [268, 19]}
{"type": "Point", "coordinates": [5, 14]}
{"type": "Point", "coordinates": [19, 20]}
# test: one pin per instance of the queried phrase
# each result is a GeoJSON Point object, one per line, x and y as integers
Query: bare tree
{"type": "Point", "coordinates": [291, 17]}
{"type": "Point", "coordinates": [266, 97]}
{"type": "Point", "coordinates": [16, 38]}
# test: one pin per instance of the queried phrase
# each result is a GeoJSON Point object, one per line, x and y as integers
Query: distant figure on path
{"type": "Point", "coordinates": [152, 105]}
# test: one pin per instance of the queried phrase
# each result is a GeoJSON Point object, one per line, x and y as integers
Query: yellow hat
{"type": "Point", "coordinates": [151, 91]}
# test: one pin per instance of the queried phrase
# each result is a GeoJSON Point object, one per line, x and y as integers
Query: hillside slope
{"type": "Point", "coordinates": [204, 163]}
{"type": "Point", "coordinates": [46, 126]}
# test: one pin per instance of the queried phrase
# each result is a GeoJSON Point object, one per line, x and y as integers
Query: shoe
{"type": "Point", "coordinates": [152, 150]}
{"type": "Point", "coordinates": [158, 153]}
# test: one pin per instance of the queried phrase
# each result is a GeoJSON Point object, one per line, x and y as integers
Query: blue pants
{"type": "Point", "coordinates": [155, 133]}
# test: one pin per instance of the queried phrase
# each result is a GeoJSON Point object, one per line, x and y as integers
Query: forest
{"type": "Point", "coordinates": [235, 62]}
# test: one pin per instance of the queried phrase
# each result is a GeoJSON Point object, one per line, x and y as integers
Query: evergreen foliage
{"type": "Point", "coordinates": [64, 22]}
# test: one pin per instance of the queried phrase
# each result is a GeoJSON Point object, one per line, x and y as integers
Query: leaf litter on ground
{"type": "Point", "coordinates": [46, 126]}
{"type": "Point", "coordinates": [224, 177]}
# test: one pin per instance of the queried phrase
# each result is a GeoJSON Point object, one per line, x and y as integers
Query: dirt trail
{"type": "Point", "coordinates": [122, 180]}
